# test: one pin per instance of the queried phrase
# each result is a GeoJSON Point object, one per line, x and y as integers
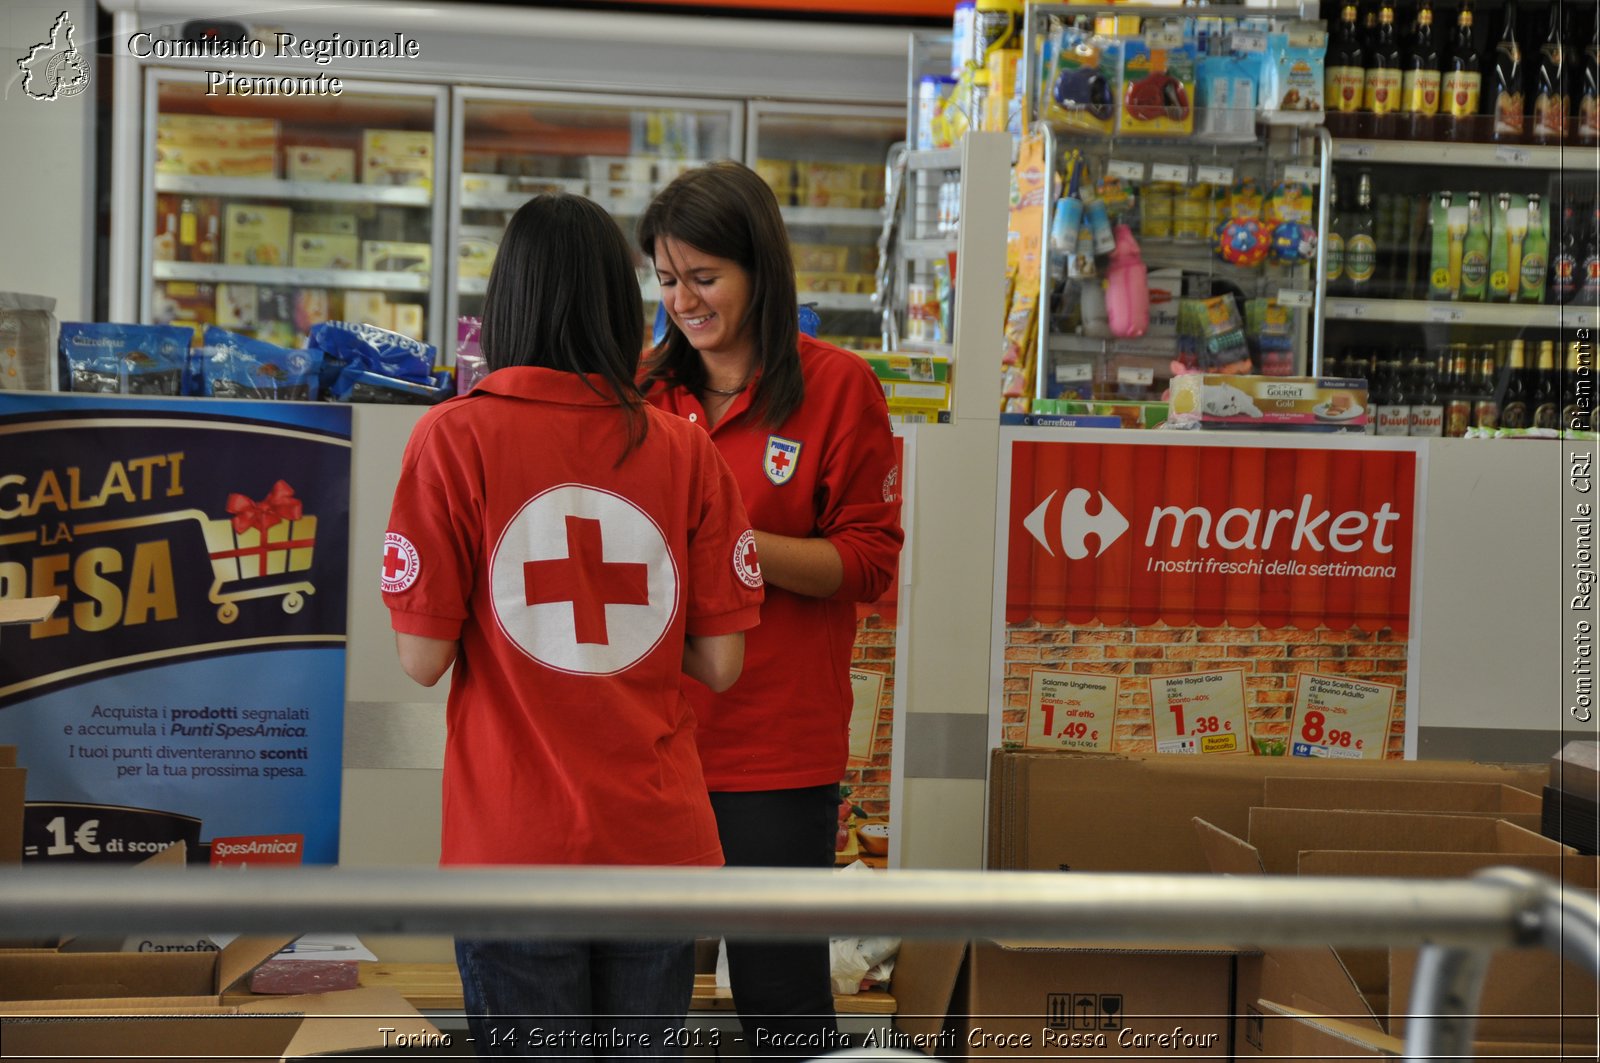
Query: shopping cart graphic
{"type": "Point", "coordinates": [269, 539]}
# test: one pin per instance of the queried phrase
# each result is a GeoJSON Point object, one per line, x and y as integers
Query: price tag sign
{"type": "Point", "coordinates": [1293, 297]}
{"type": "Point", "coordinates": [1302, 175]}
{"type": "Point", "coordinates": [866, 689]}
{"type": "Point", "coordinates": [1125, 170]}
{"type": "Point", "coordinates": [1338, 717]}
{"type": "Point", "coordinates": [1200, 713]}
{"type": "Point", "coordinates": [1352, 151]}
{"type": "Point", "coordinates": [1174, 172]}
{"type": "Point", "coordinates": [1213, 175]}
{"type": "Point", "coordinates": [1514, 156]}
{"type": "Point", "coordinates": [1346, 310]}
{"type": "Point", "coordinates": [1449, 314]}
{"type": "Point", "coordinates": [1074, 372]}
{"type": "Point", "coordinates": [1068, 710]}
{"type": "Point", "coordinates": [1249, 41]}
{"type": "Point", "coordinates": [1139, 377]}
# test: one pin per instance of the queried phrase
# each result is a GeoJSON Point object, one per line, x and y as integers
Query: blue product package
{"type": "Point", "coordinates": [119, 359]}
{"type": "Point", "coordinates": [239, 367]}
{"type": "Point", "coordinates": [360, 354]}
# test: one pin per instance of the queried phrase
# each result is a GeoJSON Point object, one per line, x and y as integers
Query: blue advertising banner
{"type": "Point", "coordinates": [190, 686]}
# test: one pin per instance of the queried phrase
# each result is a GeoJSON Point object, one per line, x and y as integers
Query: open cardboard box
{"type": "Point", "coordinates": [1359, 1007]}
{"type": "Point", "coordinates": [983, 999]}
{"type": "Point", "coordinates": [1092, 812]}
{"type": "Point", "coordinates": [13, 788]}
{"type": "Point", "coordinates": [1494, 800]}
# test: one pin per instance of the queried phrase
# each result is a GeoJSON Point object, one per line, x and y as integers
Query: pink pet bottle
{"type": "Point", "coordinates": [1127, 288]}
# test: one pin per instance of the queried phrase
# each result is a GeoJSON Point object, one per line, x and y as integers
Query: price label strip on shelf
{"type": "Point", "coordinates": [1202, 712]}
{"type": "Point", "coordinates": [1213, 175]}
{"type": "Point", "coordinates": [1352, 151]}
{"type": "Point", "coordinates": [1293, 297]}
{"type": "Point", "coordinates": [1170, 172]}
{"type": "Point", "coordinates": [1070, 710]}
{"type": "Point", "coordinates": [1136, 376]}
{"type": "Point", "coordinates": [1339, 717]}
{"type": "Point", "coordinates": [1447, 314]}
{"type": "Point", "coordinates": [1074, 372]}
{"type": "Point", "coordinates": [1347, 310]}
{"type": "Point", "coordinates": [1247, 42]}
{"type": "Point", "coordinates": [1514, 156]}
{"type": "Point", "coordinates": [1302, 175]}
{"type": "Point", "coordinates": [1125, 170]}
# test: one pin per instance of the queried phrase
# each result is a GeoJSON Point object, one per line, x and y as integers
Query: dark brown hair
{"type": "Point", "coordinates": [727, 211]}
{"type": "Point", "coordinates": [563, 295]}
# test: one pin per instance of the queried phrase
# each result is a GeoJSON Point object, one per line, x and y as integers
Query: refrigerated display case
{"type": "Point", "coordinates": [266, 216]}
{"type": "Point", "coordinates": [510, 145]}
{"type": "Point", "coordinates": [827, 167]}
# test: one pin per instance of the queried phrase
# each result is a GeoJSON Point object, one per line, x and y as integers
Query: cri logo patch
{"type": "Point", "coordinates": [1077, 524]}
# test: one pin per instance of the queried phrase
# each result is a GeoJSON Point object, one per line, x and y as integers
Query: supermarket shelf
{"type": "Point", "coordinates": [270, 188]}
{"type": "Point", "coordinates": [1502, 315]}
{"type": "Point", "coordinates": [838, 300]}
{"type": "Point", "coordinates": [472, 285]}
{"type": "Point", "coordinates": [1154, 346]}
{"type": "Point", "coordinates": [856, 218]}
{"type": "Point", "coordinates": [1438, 153]}
{"type": "Point", "coordinates": [946, 350]}
{"type": "Point", "coordinates": [1248, 9]}
{"type": "Point", "coordinates": [932, 247]}
{"type": "Point", "coordinates": [485, 232]}
{"type": "Point", "coordinates": [289, 276]}
{"type": "Point", "coordinates": [934, 159]}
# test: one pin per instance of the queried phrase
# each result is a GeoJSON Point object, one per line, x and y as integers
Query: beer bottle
{"type": "Point", "coordinates": [1346, 71]}
{"type": "Point", "coordinates": [1535, 256]}
{"type": "Point", "coordinates": [1507, 100]}
{"type": "Point", "coordinates": [1546, 398]}
{"type": "Point", "coordinates": [1462, 81]}
{"type": "Point", "coordinates": [1360, 245]}
{"type": "Point", "coordinates": [1515, 409]}
{"type": "Point", "coordinates": [1589, 267]}
{"type": "Point", "coordinates": [1427, 406]}
{"type": "Point", "coordinates": [1567, 259]}
{"type": "Point", "coordinates": [1394, 416]}
{"type": "Point", "coordinates": [1474, 254]}
{"type": "Point", "coordinates": [1576, 415]}
{"type": "Point", "coordinates": [1333, 247]}
{"type": "Point", "coordinates": [1419, 85]}
{"type": "Point", "coordinates": [1485, 407]}
{"type": "Point", "coordinates": [1383, 81]}
{"type": "Point", "coordinates": [1459, 396]}
{"type": "Point", "coordinates": [1550, 84]}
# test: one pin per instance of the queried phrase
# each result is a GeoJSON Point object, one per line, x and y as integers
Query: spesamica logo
{"type": "Point", "coordinates": [1077, 524]}
{"type": "Point", "coordinates": [54, 69]}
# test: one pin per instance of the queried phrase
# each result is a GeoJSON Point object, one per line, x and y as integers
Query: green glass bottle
{"type": "Point", "coordinates": [1474, 253]}
{"type": "Point", "coordinates": [1535, 256]}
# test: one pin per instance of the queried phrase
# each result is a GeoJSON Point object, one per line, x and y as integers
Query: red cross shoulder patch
{"type": "Point", "coordinates": [745, 563]}
{"type": "Point", "coordinates": [401, 564]}
{"type": "Point", "coordinates": [781, 459]}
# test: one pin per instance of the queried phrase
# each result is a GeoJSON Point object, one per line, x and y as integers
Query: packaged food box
{"type": "Point", "coordinates": [371, 308]}
{"type": "Point", "coordinates": [1131, 414]}
{"type": "Point", "coordinates": [396, 256]}
{"type": "Point", "coordinates": [825, 258]}
{"type": "Point", "coordinates": [625, 168]}
{"type": "Point", "coordinates": [189, 303]}
{"type": "Point", "coordinates": [238, 306]}
{"type": "Point", "coordinates": [333, 165]}
{"type": "Point", "coordinates": [396, 157]}
{"type": "Point", "coordinates": [829, 281]}
{"type": "Point", "coordinates": [216, 131]}
{"type": "Point", "coordinates": [326, 251]}
{"type": "Point", "coordinates": [205, 161]}
{"type": "Point", "coordinates": [478, 183]}
{"type": "Point", "coordinates": [188, 228]}
{"type": "Point", "coordinates": [407, 319]}
{"type": "Point", "coordinates": [341, 223]}
{"type": "Point", "coordinates": [254, 235]}
{"type": "Point", "coordinates": [1217, 400]}
{"type": "Point", "coordinates": [475, 257]}
{"type": "Point", "coordinates": [918, 368]}
{"type": "Point", "coordinates": [907, 395]}
{"type": "Point", "coordinates": [779, 173]}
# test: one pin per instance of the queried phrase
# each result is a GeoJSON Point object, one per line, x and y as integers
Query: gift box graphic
{"type": "Point", "coordinates": [270, 537]}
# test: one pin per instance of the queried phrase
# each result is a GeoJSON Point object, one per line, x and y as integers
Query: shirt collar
{"type": "Point", "coordinates": [548, 385]}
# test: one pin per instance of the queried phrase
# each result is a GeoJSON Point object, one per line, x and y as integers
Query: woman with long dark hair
{"type": "Point", "coordinates": [573, 553]}
{"type": "Point", "coordinates": [804, 427]}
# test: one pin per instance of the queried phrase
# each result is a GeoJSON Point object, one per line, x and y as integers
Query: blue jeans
{"type": "Point", "coordinates": [576, 999]}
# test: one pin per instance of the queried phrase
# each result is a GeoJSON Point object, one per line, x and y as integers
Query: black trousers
{"type": "Point", "coordinates": [782, 990]}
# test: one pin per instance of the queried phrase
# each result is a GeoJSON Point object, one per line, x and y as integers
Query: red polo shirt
{"type": "Point", "coordinates": [825, 472]}
{"type": "Point", "coordinates": [570, 583]}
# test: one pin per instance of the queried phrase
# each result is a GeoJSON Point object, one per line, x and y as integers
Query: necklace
{"type": "Point", "coordinates": [726, 391]}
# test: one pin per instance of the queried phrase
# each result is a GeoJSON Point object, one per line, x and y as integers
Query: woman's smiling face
{"type": "Point", "coordinates": [707, 297]}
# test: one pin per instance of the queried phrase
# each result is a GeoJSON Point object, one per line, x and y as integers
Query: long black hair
{"type": "Point", "coordinates": [727, 211]}
{"type": "Point", "coordinates": [563, 295]}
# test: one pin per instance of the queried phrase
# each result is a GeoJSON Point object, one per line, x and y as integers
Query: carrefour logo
{"type": "Point", "coordinates": [1077, 524]}
{"type": "Point", "coordinates": [1306, 527]}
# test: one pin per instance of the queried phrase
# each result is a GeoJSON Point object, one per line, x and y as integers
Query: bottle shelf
{"type": "Point", "coordinates": [288, 276]}
{"type": "Point", "coordinates": [1498, 315]}
{"type": "Point", "coordinates": [271, 188]}
{"type": "Point", "coordinates": [1444, 153]}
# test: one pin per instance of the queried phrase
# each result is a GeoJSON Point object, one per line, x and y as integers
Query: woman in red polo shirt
{"type": "Point", "coordinates": [573, 552]}
{"type": "Point", "coordinates": [804, 427]}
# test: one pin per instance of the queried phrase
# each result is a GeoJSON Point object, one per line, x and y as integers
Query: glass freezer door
{"type": "Point", "coordinates": [827, 167]}
{"type": "Point", "coordinates": [511, 145]}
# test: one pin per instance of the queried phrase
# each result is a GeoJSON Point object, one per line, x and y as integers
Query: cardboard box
{"type": "Point", "coordinates": [254, 235]}
{"type": "Point", "coordinates": [1039, 803]}
{"type": "Point", "coordinates": [396, 157]}
{"type": "Point", "coordinates": [335, 222]}
{"type": "Point", "coordinates": [396, 256]}
{"type": "Point", "coordinates": [1216, 400]}
{"type": "Point", "coordinates": [1494, 800]}
{"type": "Point", "coordinates": [1031, 999]}
{"type": "Point", "coordinates": [351, 1022]}
{"type": "Point", "coordinates": [910, 396]}
{"type": "Point", "coordinates": [199, 161]}
{"type": "Point", "coordinates": [915, 368]}
{"type": "Point", "coordinates": [326, 251]}
{"type": "Point", "coordinates": [217, 131]}
{"type": "Point", "coordinates": [334, 165]}
{"type": "Point", "coordinates": [1281, 834]}
{"type": "Point", "coordinates": [475, 256]}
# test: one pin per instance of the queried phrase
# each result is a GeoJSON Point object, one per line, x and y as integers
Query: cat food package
{"type": "Point", "coordinates": [123, 359]}
{"type": "Point", "coordinates": [28, 330]}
